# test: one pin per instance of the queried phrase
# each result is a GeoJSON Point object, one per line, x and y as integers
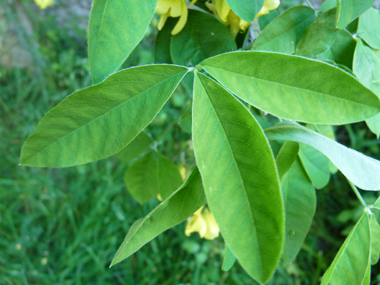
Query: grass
{"type": "Point", "coordinates": [63, 226]}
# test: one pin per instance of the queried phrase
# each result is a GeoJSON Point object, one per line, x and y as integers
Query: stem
{"type": "Point", "coordinates": [358, 194]}
{"type": "Point", "coordinates": [308, 2]}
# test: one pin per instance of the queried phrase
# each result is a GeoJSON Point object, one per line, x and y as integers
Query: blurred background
{"type": "Point", "coordinates": [63, 226]}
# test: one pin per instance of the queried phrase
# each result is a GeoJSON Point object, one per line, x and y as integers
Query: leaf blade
{"type": "Point", "coordinates": [180, 205]}
{"type": "Point", "coordinates": [110, 39]}
{"type": "Point", "coordinates": [246, 9]}
{"type": "Point", "coordinates": [358, 168]}
{"type": "Point", "coordinates": [284, 32]}
{"type": "Point", "coordinates": [77, 130]}
{"type": "Point", "coordinates": [349, 10]}
{"type": "Point", "coordinates": [300, 204]}
{"type": "Point", "coordinates": [259, 79]}
{"type": "Point", "coordinates": [258, 217]}
{"type": "Point", "coordinates": [352, 261]}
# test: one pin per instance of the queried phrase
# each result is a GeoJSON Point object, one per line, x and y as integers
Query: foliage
{"type": "Point", "coordinates": [263, 206]}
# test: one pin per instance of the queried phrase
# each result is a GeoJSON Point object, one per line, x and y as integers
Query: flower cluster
{"type": "Point", "coordinates": [173, 8]}
{"type": "Point", "coordinates": [203, 223]}
{"type": "Point", "coordinates": [44, 3]}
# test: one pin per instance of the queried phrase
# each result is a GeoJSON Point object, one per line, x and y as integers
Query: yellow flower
{"type": "Point", "coordinates": [224, 13]}
{"type": "Point", "coordinates": [173, 8]}
{"type": "Point", "coordinates": [204, 224]}
{"type": "Point", "coordinates": [44, 3]}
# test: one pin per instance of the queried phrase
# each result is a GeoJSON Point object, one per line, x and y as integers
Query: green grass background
{"type": "Point", "coordinates": [63, 226]}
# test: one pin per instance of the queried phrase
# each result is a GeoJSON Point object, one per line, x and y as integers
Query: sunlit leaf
{"type": "Point", "coordinates": [367, 68]}
{"type": "Point", "coordinates": [240, 178]}
{"type": "Point", "coordinates": [349, 10]}
{"type": "Point", "coordinates": [362, 170]}
{"type": "Point", "coordinates": [375, 240]}
{"type": "Point", "coordinates": [351, 263]}
{"type": "Point", "coordinates": [294, 87]}
{"type": "Point", "coordinates": [115, 29]}
{"type": "Point", "coordinates": [367, 27]}
{"type": "Point", "coordinates": [99, 121]}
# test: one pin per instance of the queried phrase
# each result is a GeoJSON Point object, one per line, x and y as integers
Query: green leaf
{"type": "Point", "coordinates": [135, 147]}
{"type": "Point", "coordinates": [342, 51]}
{"type": "Point", "coordinates": [319, 36]}
{"type": "Point", "coordinates": [294, 87]}
{"type": "Point", "coordinates": [286, 157]}
{"type": "Point", "coordinates": [366, 29]}
{"type": "Point", "coordinates": [367, 277]}
{"type": "Point", "coordinates": [141, 178]}
{"type": "Point", "coordinates": [186, 121]}
{"type": "Point", "coordinates": [300, 204]}
{"type": "Point", "coordinates": [367, 69]}
{"type": "Point", "coordinates": [264, 20]}
{"type": "Point", "coordinates": [327, 5]}
{"type": "Point", "coordinates": [229, 259]}
{"type": "Point", "coordinates": [240, 178]}
{"type": "Point", "coordinates": [114, 30]}
{"type": "Point", "coordinates": [150, 175]}
{"type": "Point", "coordinates": [284, 32]}
{"type": "Point", "coordinates": [361, 170]}
{"type": "Point", "coordinates": [351, 262]}
{"type": "Point", "coordinates": [169, 177]}
{"type": "Point", "coordinates": [377, 203]}
{"type": "Point", "coordinates": [246, 9]}
{"type": "Point", "coordinates": [162, 43]}
{"type": "Point", "coordinates": [174, 210]}
{"type": "Point", "coordinates": [375, 240]}
{"type": "Point", "coordinates": [202, 37]}
{"type": "Point", "coordinates": [349, 10]}
{"type": "Point", "coordinates": [327, 131]}
{"type": "Point", "coordinates": [316, 165]}
{"type": "Point", "coordinates": [99, 121]}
